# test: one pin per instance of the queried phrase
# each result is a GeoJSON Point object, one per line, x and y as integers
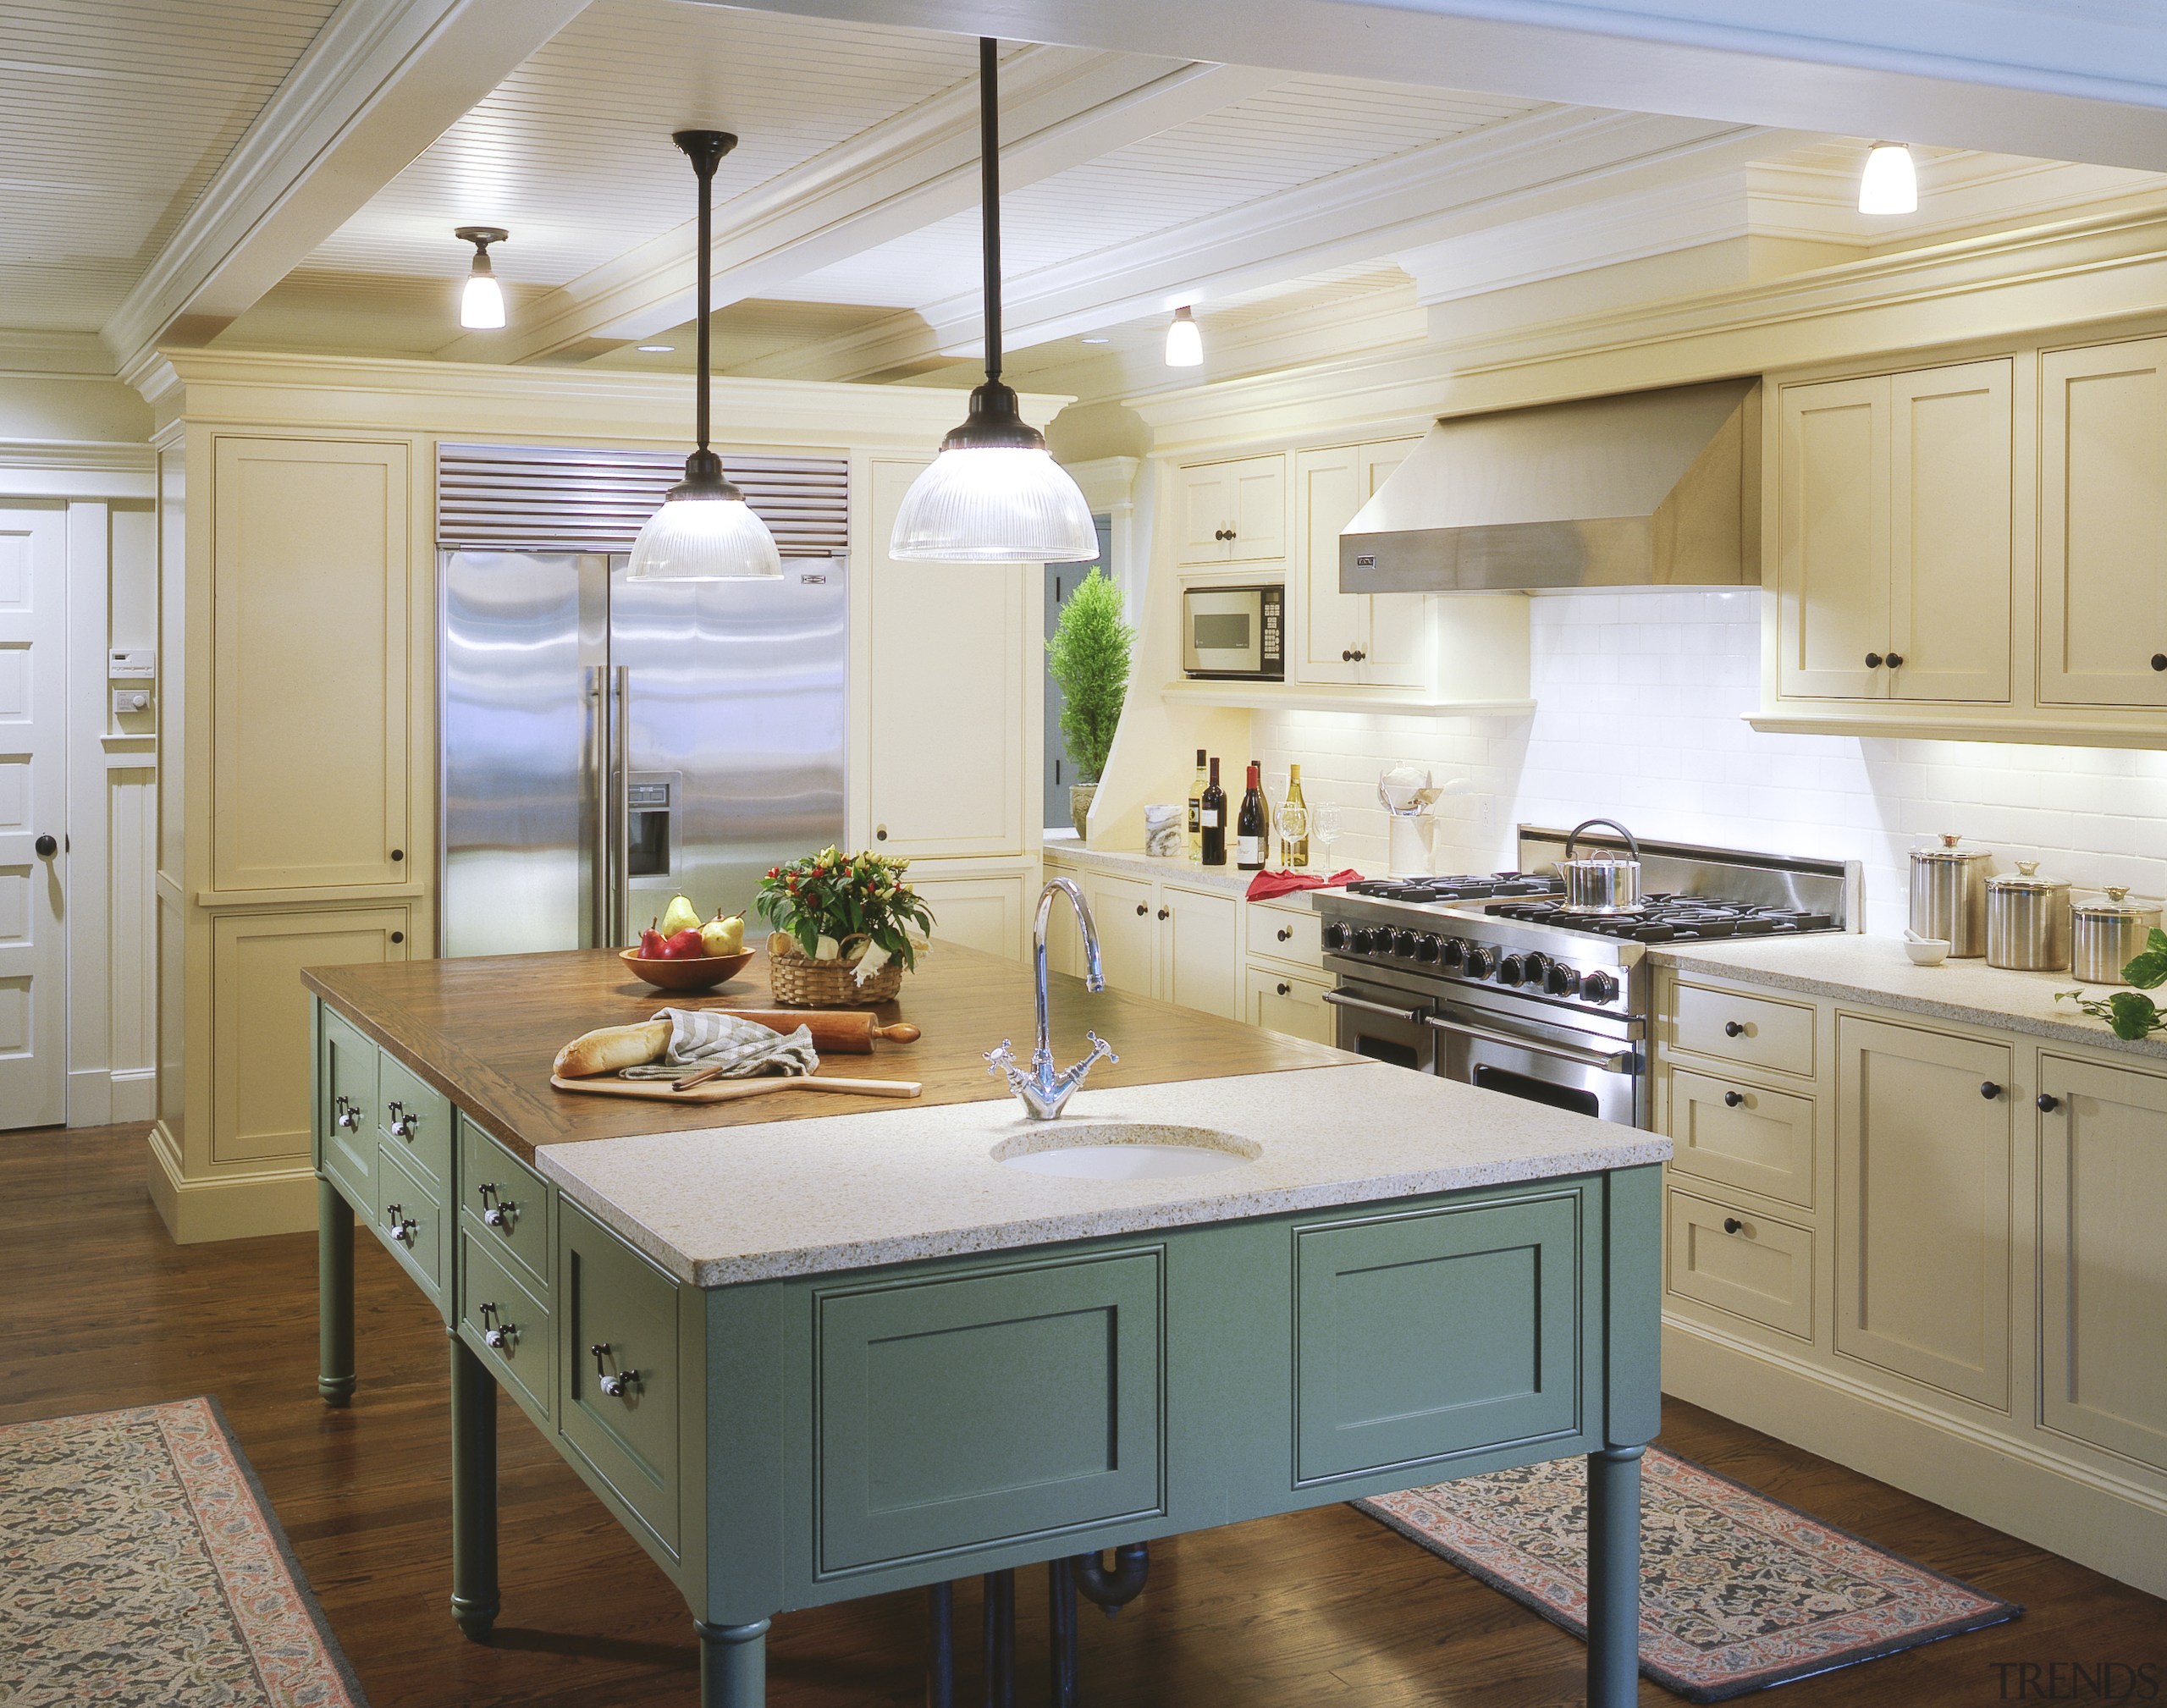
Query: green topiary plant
{"type": "Point", "coordinates": [1089, 657]}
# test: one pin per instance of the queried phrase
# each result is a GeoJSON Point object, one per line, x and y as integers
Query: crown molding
{"type": "Point", "coordinates": [1107, 482]}
{"type": "Point", "coordinates": [90, 468]}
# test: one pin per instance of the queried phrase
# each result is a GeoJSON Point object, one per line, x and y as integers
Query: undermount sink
{"type": "Point", "coordinates": [1125, 1150]}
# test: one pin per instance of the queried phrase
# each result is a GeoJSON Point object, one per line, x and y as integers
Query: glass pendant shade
{"type": "Point", "coordinates": [1890, 182]}
{"type": "Point", "coordinates": [1184, 341]}
{"type": "Point", "coordinates": [994, 495]}
{"type": "Point", "coordinates": [481, 301]}
{"type": "Point", "coordinates": [704, 531]}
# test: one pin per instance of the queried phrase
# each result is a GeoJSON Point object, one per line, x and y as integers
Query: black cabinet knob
{"type": "Point", "coordinates": [2159, 661]}
{"type": "Point", "coordinates": [1284, 987]}
{"type": "Point", "coordinates": [1143, 908]}
{"type": "Point", "coordinates": [1346, 655]}
{"type": "Point", "coordinates": [398, 937]}
{"type": "Point", "coordinates": [1732, 1225]}
{"type": "Point", "coordinates": [2048, 1103]}
{"type": "Point", "coordinates": [1285, 934]}
{"type": "Point", "coordinates": [47, 847]}
{"type": "Point", "coordinates": [1895, 661]}
{"type": "Point", "coordinates": [399, 854]}
{"type": "Point", "coordinates": [1988, 1089]}
{"type": "Point", "coordinates": [1732, 1099]}
{"type": "Point", "coordinates": [1163, 913]}
{"type": "Point", "coordinates": [1873, 661]}
{"type": "Point", "coordinates": [1360, 653]}
{"type": "Point", "coordinates": [1734, 1029]}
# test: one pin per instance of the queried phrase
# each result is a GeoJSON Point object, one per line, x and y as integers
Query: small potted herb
{"type": "Point", "coordinates": [1088, 656]}
{"type": "Point", "coordinates": [847, 928]}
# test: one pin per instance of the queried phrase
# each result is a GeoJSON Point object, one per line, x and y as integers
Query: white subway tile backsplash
{"type": "Point", "coordinates": [1642, 699]}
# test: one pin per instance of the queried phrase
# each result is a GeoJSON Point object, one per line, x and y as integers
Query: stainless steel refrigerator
{"type": "Point", "coordinates": [607, 744]}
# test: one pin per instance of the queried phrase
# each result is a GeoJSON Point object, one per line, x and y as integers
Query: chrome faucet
{"type": "Point", "coordinates": [1043, 1091]}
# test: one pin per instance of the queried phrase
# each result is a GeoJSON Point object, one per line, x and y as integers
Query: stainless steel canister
{"type": "Point", "coordinates": [2027, 921]}
{"type": "Point", "coordinates": [1949, 896]}
{"type": "Point", "coordinates": [2106, 933]}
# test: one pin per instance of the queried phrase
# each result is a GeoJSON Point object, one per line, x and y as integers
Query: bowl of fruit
{"type": "Point", "coordinates": [680, 952]}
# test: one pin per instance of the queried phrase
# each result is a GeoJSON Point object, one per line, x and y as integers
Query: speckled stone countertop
{"type": "Point", "coordinates": [1131, 863]}
{"type": "Point", "coordinates": [1876, 970]}
{"type": "Point", "coordinates": [812, 1196]}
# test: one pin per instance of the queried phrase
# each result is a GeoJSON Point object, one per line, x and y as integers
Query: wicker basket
{"type": "Point", "coordinates": [798, 981]}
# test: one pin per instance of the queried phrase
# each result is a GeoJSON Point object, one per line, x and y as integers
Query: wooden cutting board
{"type": "Point", "coordinates": [735, 1090]}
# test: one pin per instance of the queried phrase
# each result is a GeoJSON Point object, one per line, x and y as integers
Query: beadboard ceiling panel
{"type": "Point", "coordinates": [114, 115]}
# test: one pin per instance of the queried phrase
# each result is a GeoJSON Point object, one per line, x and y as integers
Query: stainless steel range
{"type": "Point", "coordinates": [1493, 982]}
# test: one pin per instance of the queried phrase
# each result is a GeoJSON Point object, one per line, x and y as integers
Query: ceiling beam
{"type": "Point", "coordinates": [1539, 162]}
{"type": "Point", "coordinates": [382, 81]}
{"type": "Point", "coordinates": [1059, 108]}
{"type": "Point", "coordinates": [2034, 77]}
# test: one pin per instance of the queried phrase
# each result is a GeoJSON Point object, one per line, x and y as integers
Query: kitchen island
{"type": "Point", "coordinates": [807, 1348]}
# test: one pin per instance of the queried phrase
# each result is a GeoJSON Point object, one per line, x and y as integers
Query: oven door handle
{"type": "Point", "coordinates": [1615, 1062]}
{"type": "Point", "coordinates": [1340, 998]}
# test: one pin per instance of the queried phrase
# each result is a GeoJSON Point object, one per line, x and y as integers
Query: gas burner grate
{"type": "Point", "coordinates": [1665, 918]}
{"type": "Point", "coordinates": [1457, 887]}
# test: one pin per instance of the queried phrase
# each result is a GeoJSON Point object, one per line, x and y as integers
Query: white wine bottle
{"type": "Point", "coordinates": [1293, 849]}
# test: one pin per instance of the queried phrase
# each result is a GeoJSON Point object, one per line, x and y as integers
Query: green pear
{"type": "Point", "coordinates": [721, 936]}
{"type": "Point", "coordinates": [680, 915]}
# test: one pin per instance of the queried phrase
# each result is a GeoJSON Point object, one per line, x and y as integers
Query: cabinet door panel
{"type": "Point", "coordinates": [311, 764]}
{"type": "Point", "coordinates": [2103, 525]}
{"type": "Point", "coordinates": [1128, 936]}
{"type": "Point", "coordinates": [1923, 1206]}
{"type": "Point", "coordinates": [1741, 1135]}
{"type": "Point", "coordinates": [1200, 959]}
{"type": "Point", "coordinates": [1259, 509]}
{"type": "Point", "coordinates": [985, 911]}
{"type": "Point", "coordinates": [1832, 538]}
{"type": "Point", "coordinates": [610, 1296]}
{"type": "Point", "coordinates": [1286, 1003]}
{"type": "Point", "coordinates": [945, 690]}
{"type": "Point", "coordinates": [2103, 1296]}
{"type": "Point", "coordinates": [1401, 640]}
{"type": "Point", "coordinates": [1740, 1261]}
{"type": "Point", "coordinates": [346, 1090]}
{"type": "Point", "coordinates": [1327, 492]}
{"type": "Point", "coordinates": [1950, 587]}
{"type": "Point", "coordinates": [1205, 495]}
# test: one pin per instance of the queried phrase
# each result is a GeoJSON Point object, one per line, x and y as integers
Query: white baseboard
{"type": "Point", "coordinates": [98, 1097]}
{"type": "Point", "coordinates": [135, 1094]}
{"type": "Point", "coordinates": [2111, 1525]}
{"type": "Point", "coordinates": [228, 1206]}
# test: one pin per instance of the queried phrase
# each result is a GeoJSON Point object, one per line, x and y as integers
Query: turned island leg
{"type": "Point", "coordinates": [474, 1601]}
{"type": "Point", "coordinates": [1614, 1577]}
{"type": "Point", "coordinates": [335, 1295]}
{"type": "Point", "coordinates": [733, 1665]}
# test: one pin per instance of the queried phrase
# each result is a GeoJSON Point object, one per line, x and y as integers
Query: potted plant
{"type": "Point", "coordinates": [846, 929]}
{"type": "Point", "coordinates": [1089, 658]}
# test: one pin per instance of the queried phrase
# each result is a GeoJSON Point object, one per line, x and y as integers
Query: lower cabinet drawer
{"type": "Point", "coordinates": [987, 1407]}
{"type": "Point", "coordinates": [506, 1204]}
{"type": "Point", "coordinates": [517, 1339]}
{"type": "Point", "coordinates": [1741, 1261]}
{"type": "Point", "coordinates": [1287, 934]}
{"type": "Point", "coordinates": [410, 1221]}
{"type": "Point", "coordinates": [347, 1083]}
{"type": "Point", "coordinates": [416, 1122]}
{"type": "Point", "coordinates": [1425, 1336]}
{"type": "Point", "coordinates": [1284, 1002]}
{"type": "Point", "coordinates": [1741, 1136]}
{"type": "Point", "coordinates": [620, 1329]}
{"type": "Point", "coordinates": [1753, 1031]}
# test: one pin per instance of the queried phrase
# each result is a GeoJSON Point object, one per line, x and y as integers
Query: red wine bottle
{"type": "Point", "coordinates": [1252, 832]}
{"type": "Point", "coordinates": [1211, 812]}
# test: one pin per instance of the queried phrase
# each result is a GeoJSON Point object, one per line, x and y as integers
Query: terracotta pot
{"type": "Point", "coordinates": [1079, 807]}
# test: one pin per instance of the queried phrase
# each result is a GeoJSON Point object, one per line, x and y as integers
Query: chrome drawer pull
{"type": "Point", "coordinates": [496, 1214]}
{"type": "Point", "coordinates": [402, 1123]}
{"type": "Point", "coordinates": [399, 1226]}
{"type": "Point", "coordinates": [1614, 1061]}
{"type": "Point", "coordinates": [617, 1383]}
{"type": "Point", "coordinates": [346, 1113]}
{"type": "Point", "coordinates": [498, 1336]}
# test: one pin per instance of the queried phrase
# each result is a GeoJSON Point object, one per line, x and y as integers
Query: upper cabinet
{"type": "Point", "coordinates": [1340, 636]}
{"type": "Point", "coordinates": [2103, 526]}
{"type": "Point", "coordinates": [1233, 512]}
{"type": "Point", "coordinates": [1894, 537]}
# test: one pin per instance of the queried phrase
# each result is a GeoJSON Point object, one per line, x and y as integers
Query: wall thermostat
{"type": "Point", "coordinates": [132, 664]}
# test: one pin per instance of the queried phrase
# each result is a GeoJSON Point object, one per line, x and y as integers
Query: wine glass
{"type": "Point", "coordinates": [1324, 822]}
{"type": "Point", "coordinates": [1293, 821]}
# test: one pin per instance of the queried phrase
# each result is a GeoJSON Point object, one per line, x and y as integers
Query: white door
{"type": "Point", "coordinates": [33, 795]}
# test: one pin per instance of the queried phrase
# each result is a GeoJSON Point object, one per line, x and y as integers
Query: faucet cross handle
{"type": "Point", "coordinates": [1000, 1060]}
{"type": "Point", "coordinates": [1100, 1047]}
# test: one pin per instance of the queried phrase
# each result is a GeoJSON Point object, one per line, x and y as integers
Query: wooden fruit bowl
{"type": "Point", "coordinates": [694, 972]}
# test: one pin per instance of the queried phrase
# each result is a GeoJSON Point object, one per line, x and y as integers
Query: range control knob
{"type": "Point", "coordinates": [1562, 980]}
{"type": "Point", "coordinates": [1509, 970]}
{"type": "Point", "coordinates": [1599, 986]}
{"type": "Point", "coordinates": [1335, 935]}
{"type": "Point", "coordinates": [1402, 944]}
{"type": "Point", "coordinates": [1532, 968]}
{"type": "Point", "coordinates": [1425, 946]}
{"type": "Point", "coordinates": [1480, 962]}
{"type": "Point", "coordinates": [1451, 953]}
{"type": "Point", "coordinates": [1364, 941]}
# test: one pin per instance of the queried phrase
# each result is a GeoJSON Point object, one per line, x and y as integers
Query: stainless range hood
{"type": "Point", "coordinates": [1651, 488]}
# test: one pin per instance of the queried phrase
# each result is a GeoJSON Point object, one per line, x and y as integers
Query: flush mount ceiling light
{"type": "Point", "coordinates": [1184, 340]}
{"type": "Point", "coordinates": [481, 299]}
{"type": "Point", "coordinates": [657, 349]}
{"type": "Point", "coordinates": [994, 495]}
{"type": "Point", "coordinates": [1890, 182]}
{"type": "Point", "coordinates": [705, 530]}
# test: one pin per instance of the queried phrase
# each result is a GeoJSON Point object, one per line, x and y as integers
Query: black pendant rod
{"type": "Point", "coordinates": [989, 195]}
{"type": "Point", "coordinates": [705, 149]}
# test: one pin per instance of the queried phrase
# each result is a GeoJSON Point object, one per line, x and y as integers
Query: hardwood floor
{"type": "Point", "coordinates": [99, 1308]}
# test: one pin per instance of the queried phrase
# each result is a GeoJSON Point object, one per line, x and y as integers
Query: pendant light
{"type": "Point", "coordinates": [481, 299]}
{"type": "Point", "coordinates": [1184, 340]}
{"type": "Point", "coordinates": [994, 495]}
{"type": "Point", "coordinates": [705, 530]}
{"type": "Point", "coordinates": [1890, 182]}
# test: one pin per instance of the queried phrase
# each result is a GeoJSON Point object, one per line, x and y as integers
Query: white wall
{"type": "Point", "coordinates": [1642, 698]}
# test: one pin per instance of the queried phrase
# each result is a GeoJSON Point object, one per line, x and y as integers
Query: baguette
{"type": "Point", "coordinates": [609, 1048]}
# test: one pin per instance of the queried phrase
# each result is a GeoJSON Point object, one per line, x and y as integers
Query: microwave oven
{"type": "Point", "coordinates": [1235, 632]}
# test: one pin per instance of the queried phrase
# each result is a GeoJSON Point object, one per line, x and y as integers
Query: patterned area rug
{"type": "Point", "coordinates": [1737, 1592]}
{"type": "Point", "coordinates": [140, 1564]}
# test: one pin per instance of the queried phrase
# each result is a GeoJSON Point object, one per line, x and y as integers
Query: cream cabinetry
{"type": "Point", "coordinates": [1893, 520]}
{"type": "Point", "coordinates": [979, 905]}
{"type": "Point", "coordinates": [1234, 512]}
{"type": "Point", "coordinates": [1350, 638]}
{"type": "Point", "coordinates": [1928, 1249]}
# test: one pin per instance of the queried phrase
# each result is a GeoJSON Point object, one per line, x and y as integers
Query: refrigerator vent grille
{"type": "Point", "coordinates": [530, 497]}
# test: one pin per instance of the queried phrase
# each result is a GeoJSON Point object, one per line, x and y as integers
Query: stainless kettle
{"type": "Point", "coordinates": [1602, 885]}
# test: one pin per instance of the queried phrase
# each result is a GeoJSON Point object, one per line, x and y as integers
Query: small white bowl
{"type": "Point", "coordinates": [1925, 951]}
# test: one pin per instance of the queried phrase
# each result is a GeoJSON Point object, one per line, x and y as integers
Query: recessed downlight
{"type": "Point", "coordinates": [657, 349]}
{"type": "Point", "coordinates": [1094, 340]}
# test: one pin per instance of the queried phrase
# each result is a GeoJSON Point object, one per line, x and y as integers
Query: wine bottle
{"type": "Point", "coordinates": [1252, 833]}
{"type": "Point", "coordinates": [1295, 851]}
{"type": "Point", "coordinates": [1211, 821]}
{"type": "Point", "coordinates": [1196, 811]}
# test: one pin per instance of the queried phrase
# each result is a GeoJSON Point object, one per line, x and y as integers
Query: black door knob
{"type": "Point", "coordinates": [1734, 1029]}
{"type": "Point", "coordinates": [1873, 661]}
{"type": "Point", "coordinates": [2048, 1103]}
{"type": "Point", "coordinates": [1988, 1089]}
{"type": "Point", "coordinates": [1733, 1099]}
{"type": "Point", "coordinates": [47, 847]}
{"type": "Point", "coordinates": [1732, 1225]}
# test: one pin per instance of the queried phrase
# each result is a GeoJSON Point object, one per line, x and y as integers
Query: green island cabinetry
{"type": "Point", "coordinates": [780, 1443]}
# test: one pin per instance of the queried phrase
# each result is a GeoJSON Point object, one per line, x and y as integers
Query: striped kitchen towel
{"type": "Point", "coordinates": [710, 1038]}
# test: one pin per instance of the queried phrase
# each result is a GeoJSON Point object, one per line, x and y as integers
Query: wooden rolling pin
{"type": "Point", "coordinates": [849, 1031]}
{"type": "Point", "coordinates": [731, 1090]}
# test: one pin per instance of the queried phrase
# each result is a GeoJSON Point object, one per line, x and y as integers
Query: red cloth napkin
{"type": "Point", "coordinates": [1266, 884]}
